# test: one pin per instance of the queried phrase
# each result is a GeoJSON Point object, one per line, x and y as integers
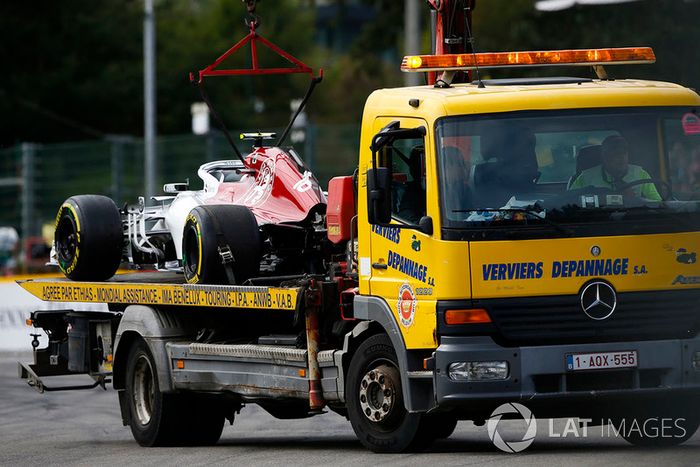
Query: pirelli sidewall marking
{"type": "Point", "coordinates": [158, 294]}
{"type": "Point", "coordinates": [69, 269]}
{"type": "Point", "coordinates": [195, 279]}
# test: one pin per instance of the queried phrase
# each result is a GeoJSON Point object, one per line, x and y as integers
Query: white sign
{"type": "Point", "coordinates": [200, 118]}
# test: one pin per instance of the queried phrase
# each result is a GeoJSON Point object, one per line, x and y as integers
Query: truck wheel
{"type": "Point", "coordinates": [375, 399]}
{"type": "Point", "coordinates": [659, 431]}
{"type": "Point", "coordinates": [148, 407]}
{"type": "Point", "coordinates": [440, 426]}
{"type": "Point", "coordinates": [209, 227]}
{"type": "Point", "coordinates": [158, 419]}
{"type": "Point", "coordinates": [151, 413]}
{"type": "Point", "coordinates": [88, 237]}
{"type": "Point", "coordinates": [205, 421]}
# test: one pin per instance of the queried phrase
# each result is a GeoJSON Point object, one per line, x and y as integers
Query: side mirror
{"type": "Point", "coordinates": [384, 137]}
{"type": "Point", "coordinates": [425, 225]}
{"type": "Point", "coordinates": [379, 195]}
{"type": "Point", "coordinates": [173, 188]}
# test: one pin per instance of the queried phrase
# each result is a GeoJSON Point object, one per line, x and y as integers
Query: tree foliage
{"type": "Point", "coordinates": [73, 68]}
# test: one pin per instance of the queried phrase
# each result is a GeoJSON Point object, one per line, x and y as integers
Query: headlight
{"type": "Point", "coordinates": [479, 371]}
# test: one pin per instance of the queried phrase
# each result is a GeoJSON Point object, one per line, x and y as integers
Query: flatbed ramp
{"type": "Point", "coordinates": [163, 288]}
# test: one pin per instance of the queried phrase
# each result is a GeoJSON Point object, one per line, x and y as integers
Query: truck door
{"type": "Point", "coordinates": [399, 257]}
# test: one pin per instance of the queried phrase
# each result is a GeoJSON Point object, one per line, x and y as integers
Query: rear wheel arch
{"type": "Point", "coordinates": [156, 327]}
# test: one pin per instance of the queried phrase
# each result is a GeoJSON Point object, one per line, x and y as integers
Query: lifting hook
{"type": "Point", "coordinates": [252, 20]}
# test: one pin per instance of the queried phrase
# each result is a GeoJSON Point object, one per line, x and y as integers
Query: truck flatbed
{"type": "Point", "coordinates": [163, 288]}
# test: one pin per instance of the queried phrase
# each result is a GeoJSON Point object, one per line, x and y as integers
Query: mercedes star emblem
{"type": "Point", "coordinates": [598, 300]}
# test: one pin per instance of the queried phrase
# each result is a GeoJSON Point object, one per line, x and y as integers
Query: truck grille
{"type": "Point", "coordinates": [553, 320]}
{"type": "Point", "coordinates": [599, 380]}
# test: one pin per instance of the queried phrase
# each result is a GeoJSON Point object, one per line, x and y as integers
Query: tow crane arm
{"type": "Point", "coordinates": [452, 31]}
{"type": "Point", "coordinates": [254, 39]}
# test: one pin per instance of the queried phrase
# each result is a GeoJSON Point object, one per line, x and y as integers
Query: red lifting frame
{"type": "Point", "coordinates": [254, 38]}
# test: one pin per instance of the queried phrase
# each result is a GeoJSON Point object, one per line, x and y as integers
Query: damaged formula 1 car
{"type": "Point", "coordinates": [260, 215]}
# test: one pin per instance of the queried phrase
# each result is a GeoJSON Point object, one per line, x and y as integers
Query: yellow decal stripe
{"type": "Point", "coordinates": [73, 264]}
{"type": "Point", "coordinates": [199, 247]}
{"type": "Point", "coordinates": [196, 278]}
{"type": "Point", "coordinates": [75, 216]}
{"type": "Point", "coordinates": [269, 298]}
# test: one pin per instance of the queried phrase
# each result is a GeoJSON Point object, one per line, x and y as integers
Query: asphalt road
{"type": "Point", "coordinates": [84, 428]}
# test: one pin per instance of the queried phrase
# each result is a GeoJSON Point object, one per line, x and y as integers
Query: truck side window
{"type": "Point", "coordinates": [456, 192]}
{"type": "Point", "coordinates": [409, 180]}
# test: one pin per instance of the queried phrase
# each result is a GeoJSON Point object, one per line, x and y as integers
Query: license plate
{"type": "Point", "coordinates": [601, 360]}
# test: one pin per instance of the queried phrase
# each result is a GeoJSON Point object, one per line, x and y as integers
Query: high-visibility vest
{"type": "Point", "coordinates": [599, 178]}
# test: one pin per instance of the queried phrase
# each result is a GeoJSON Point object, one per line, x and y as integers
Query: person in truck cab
{"type": "Point", "coordinates": [615, 172]}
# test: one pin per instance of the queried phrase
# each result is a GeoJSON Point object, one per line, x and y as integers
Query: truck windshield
{"type": "Point", "coordinates": [626, 169]}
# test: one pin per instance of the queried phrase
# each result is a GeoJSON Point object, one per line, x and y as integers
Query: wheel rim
{"type": "Point", "coordinates": [378, 395]}
{"type": "Point", "coordinates": [190, 254]}
{"type": "Point", "coordinates": [144, 390]}
{"type": "Point", "coordinates": [66, 240]}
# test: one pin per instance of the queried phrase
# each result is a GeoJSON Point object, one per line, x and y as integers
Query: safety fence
{"type": "Point", "coordinates": [35, 179]}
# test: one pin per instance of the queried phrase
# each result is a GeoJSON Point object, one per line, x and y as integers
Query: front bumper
{"type": "Point", "coordinates": [539, 379]}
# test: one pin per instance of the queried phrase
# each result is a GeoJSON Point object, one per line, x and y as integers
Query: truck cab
{"type": "Point", "coordinates": [551, 258]}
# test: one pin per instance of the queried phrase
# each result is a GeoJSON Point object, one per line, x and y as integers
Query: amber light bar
{"type": "Point", "coordinates": [587, 57]}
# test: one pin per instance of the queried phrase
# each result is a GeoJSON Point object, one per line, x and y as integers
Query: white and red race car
{"type": "Point", "coordinates": [262, 216]}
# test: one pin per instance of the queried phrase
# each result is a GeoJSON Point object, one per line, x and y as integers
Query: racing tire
{"type": "Point", "coordinates": [88, 238]}
{"type": "Point", "coordinates": [375, 400]}
{"type": "Point", "coordinates": [159, 419]}
{"type": "Point", "coordinates": [209, 227]}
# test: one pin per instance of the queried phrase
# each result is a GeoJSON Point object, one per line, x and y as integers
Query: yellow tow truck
{"type": "Point", "coordinates": [526, 240]}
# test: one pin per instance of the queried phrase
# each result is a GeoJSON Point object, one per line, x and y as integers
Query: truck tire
{"type": "Point", "coordinates": [440, 426]}
{"type": "Point", "coordinates": [375, 400]}
{"type": "Point", "coordinates": [205, 421]}
{"type": "Point", "coordinates": [662, 429]}
{"type": "Point", "coordinates": [88, 238]}
{"type": "Point", "coordinates": [158, 419]}
{"type": "Point", "coordinates": [208, 228]}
